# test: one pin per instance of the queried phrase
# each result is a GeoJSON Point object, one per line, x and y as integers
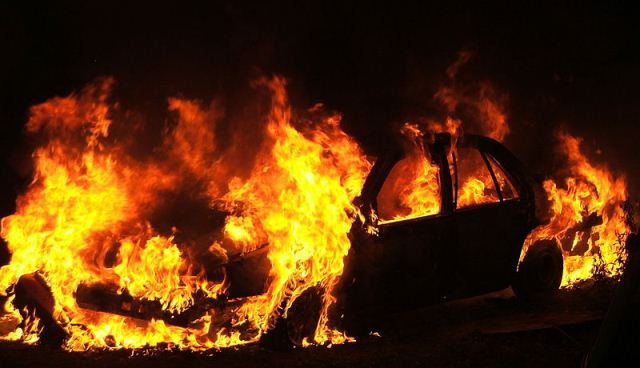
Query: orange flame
{"type": "Point", "coordinates": [90, 199]}
{"type": "Point", "coordinates": [477, 100]}
{"type": "Point", "coordinates": [587, 215]}
{"type": "Point", "coordinates": [87, 217]}
{"type": "Point", "coordinates": [306, 211]}
{"type": "Point", "coordinates": [589, 191]}
{"type": "Point", "coordinates": [412, 188]}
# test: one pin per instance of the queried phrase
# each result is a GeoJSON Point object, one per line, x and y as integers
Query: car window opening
{"type": "Point", "coordinates": [507, 188]}
{"type": "Point", "coordinates": [412, 188]}
{"type": "Point", "coordinates": [493, 176]}
{"type": "Point", "coordinates": [476, 179]}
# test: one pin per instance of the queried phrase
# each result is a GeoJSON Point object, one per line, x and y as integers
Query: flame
{"type": "Point", "coordinates": [477, 186]}
{"type": "Point", "coordinates": [479, 101]}
{"type": "Point", "coordinates": [87, 218]}
{"type": "Point", "coordinates": [587, 216]}
{"type": "Point", "coordinates": [91, 214]}
{"type": "Point", "coordinates": [412, 188]}
{"type": "Point", "coordinates": [306, 211]}
{"type": "Point", "coordinates": [473, 192]}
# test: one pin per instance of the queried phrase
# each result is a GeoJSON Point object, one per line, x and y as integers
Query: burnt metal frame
{"type": "Point", "coordinates": [489, 167]}
{"type": "Point", "coordinates": [493, 176]}
{"type": "Point", "coordinates": [437, 145]}
{"type": "Point", "coordinates": [383, 166]}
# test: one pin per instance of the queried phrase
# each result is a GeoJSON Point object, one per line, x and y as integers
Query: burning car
{"type": "Point", "coordinates": [444, 218]}
{"type": "Point", "coordinates": [466, 241]}
{"type": "Point", "coordinates": [309, 241]}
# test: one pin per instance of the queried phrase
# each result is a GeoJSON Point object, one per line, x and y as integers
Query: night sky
{"type": "Point", "coordinates": [573, 66]}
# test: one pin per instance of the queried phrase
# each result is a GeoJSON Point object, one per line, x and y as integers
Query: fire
{"type": "Point", "coordinates": [587, 216]}
{"type": "Point", "coordinates": [473, 192]}
{"type": "Point", "coordinates": [87, 218]}
{"type": "Point", "coordinates": [414, 179]}
{"type": "Point", "coordinates": [586, 212]}
{"type": "Point", "coordinates": [96, 211]}
{"type": "Point", "coordinates": [479, 101]}
{"type": "Point", "coordinates": [305, 212]}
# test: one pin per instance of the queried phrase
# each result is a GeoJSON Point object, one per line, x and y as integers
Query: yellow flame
{"type": "Point", "coordinates": [89, 199]}
{"type": "Point", "coordinates": [588, 189]}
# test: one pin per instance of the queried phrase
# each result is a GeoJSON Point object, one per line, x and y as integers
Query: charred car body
{"type": "Point", "coordinates": [460, 251]}
{"type": "Point", "coordinates": [454, 251]}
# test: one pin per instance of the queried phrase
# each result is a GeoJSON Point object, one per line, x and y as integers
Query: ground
{"type": "Point", "coordinates": [494, 330]}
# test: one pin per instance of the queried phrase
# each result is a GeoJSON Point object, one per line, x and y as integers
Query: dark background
{"type": "Point", "coordinates": [571, 65]}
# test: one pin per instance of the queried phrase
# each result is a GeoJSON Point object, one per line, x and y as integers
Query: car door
{"type": "Point", "coordinates": [414, 238]}
{"type": "Point", "coordinates": [491, 222]}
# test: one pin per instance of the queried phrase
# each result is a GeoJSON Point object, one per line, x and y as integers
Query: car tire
{"type": "Point", "coordinates": [539, 274]}
{"type": "Point", "coordinates": [299, 324]}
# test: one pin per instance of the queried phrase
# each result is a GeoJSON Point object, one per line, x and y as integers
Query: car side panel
{"type": "Point", "coordinates": [405, 265]}
{"type": "Point", "coordinates": [490, 238]}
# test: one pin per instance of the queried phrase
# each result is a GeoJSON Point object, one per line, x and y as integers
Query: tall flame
{"type": "Point", "coordinates": [99, 212]}
{"type": "Point", "coordinates": [87, 217]}
{"type": "Point", "coordinates": [586, 212]}
{"type": "Point", "coordinates": [587, 216]}
{"type": "Point", "coordinates": [412, 188]}
{"type": "Point", "coordinates": [306, 210]}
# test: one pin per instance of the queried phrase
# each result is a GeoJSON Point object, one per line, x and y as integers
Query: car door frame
{"type": "Point", "coordinates": [437, 145]}
{"type": "Point", "coordinates": [464, 283]}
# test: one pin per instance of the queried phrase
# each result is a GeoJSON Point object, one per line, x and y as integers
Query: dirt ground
{"type": "Point", "coordinates": [495, 330]}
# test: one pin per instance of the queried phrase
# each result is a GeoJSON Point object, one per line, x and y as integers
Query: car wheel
{"type": "Point", "coordinates": [300, 323]}
{"type": "Point", "coordinates": [540, 273]}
